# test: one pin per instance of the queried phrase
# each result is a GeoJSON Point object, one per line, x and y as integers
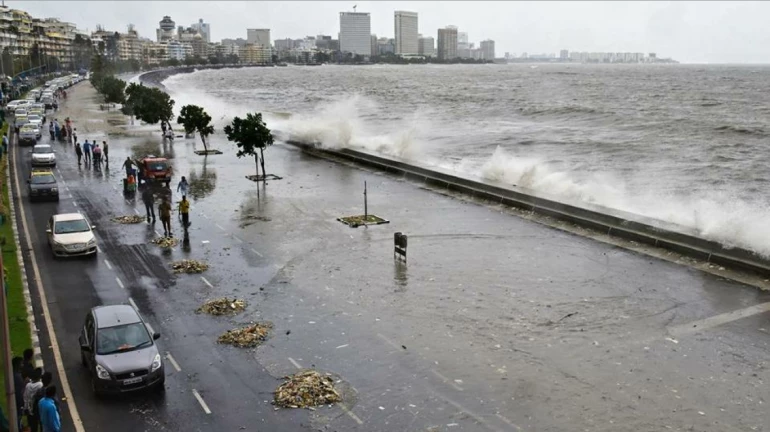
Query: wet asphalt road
{"type": "Point", "coordinates": [496, 323]}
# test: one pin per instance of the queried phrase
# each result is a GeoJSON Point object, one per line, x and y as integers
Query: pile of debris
{"type": "Point", "coordinates": [306, 389]}
{"type": "Point", "coordinates": [131, 219]}
{"type": "Point", "coordinates": [189, 266]}
{"type": "Point", "coordinates": [222, 306]}
{"type": "Point", "coordinates": [246, 337]}
{"type": "Point", "coordinates": [165, 242]}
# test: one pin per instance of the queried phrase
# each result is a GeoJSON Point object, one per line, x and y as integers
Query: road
{"type": "Point", "coordinates": [496, 322]}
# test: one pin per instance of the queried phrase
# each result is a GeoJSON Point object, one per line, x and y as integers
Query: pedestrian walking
{"type": "Point", "coordinates": [183, 186]}
{"type": "Point", "coordinates": [46, 379]}
{"type": "Point", "coordinates": [163, 127]}
{"type": "Point", "coordinates": [184, 211]}
{"type": "Point", "coordinates": [165, 216]}
{"type": "Point", "coordinates": [79, 152]}
{"type": "Point", "coordinates": [49, 411]}
{"type": "Point", "coordinates": [106, 151]}
{"type": "Point", "coordinates": [29, 394]}
{"type": "Point", "coordinates": [127, 165]}
{"type": "Point", "coordinates": [149, 201]}
{"type": "Point", "coordinates": [5, 144]}
{"type": "Point", "coordinates": [97, 157]}
{"type": "Point", "coordinates": [27, 365]}
{"type": "Point", "coordinates": [18, 387]}
{"type": "Point", "coordinates": [74, 134]}
{"type": "Point", "coordinates": [87, 151]}
{"type": "Point", "coordinates": [50, 130]}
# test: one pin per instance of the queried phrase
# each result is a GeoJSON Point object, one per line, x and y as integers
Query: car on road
{"type": "Point", "coordinates": [19, 121]}
{"type": "Point", "coordinates": [154, 170]}
{"type": "Point", "coordinates": [70, 234]}
{"type": "Point", "coordinates": [28, 134]}
{"type": "Point", "coordinates": [20, 111]}
{"type": "Point", "coordinates": [35, 119]}
{"type": "Point", "coordinates": [118, 348]}
{"type": "Point", "coordinates": [42, 185]}
{"type": "Point", "coordinates": [43, 155]}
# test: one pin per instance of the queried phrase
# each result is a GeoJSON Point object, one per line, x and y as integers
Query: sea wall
{"type": "Point", "coordinates": [156, 77]}
{"type": "Point", "coordinates": [609, 221]}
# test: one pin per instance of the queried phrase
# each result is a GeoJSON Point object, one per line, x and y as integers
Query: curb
{"type": "Point", "coordinates": [24, 281]}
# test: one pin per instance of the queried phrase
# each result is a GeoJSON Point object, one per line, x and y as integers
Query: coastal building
{"type": "Point", "coordinates": [462, 43]}
{"type": "Point", "coordinates": [230, 47]}
{"type": "Point", "coordinates": [165, 30]}
{"type": "Point", "coordinates": [186, 34]}
{"type": "Point", "coordinates": [447, 43]}
{"type": "Point", "coordinates": [355, 33]}
{"type": "Point", "coordinates": [238, 42]}
{"type": "Point", "coordinates": [200, 47]}
{"type": "Point", "coordinates": [255, 54]}
{"type": "Point", "coordinates": [178, 50]}
{"type": "Point", "coordinates": [564, 55]}
{"type": "Point", "coordinates": [204, 29]}
{"type": "Point", "coordinates": [323, 42]}
{"type": "Point", "coordinates": [22, 35]}
{"type": "Point", "coordinates": [260, 37]}
{"type": "Point", "coordinates": [487, 48]}
{"type": "Point", "coordinates": [426, 46]}
{"type": "Point", "coordinates": [129, 45]}
{"type": "Point", "coordinates": [154, 53]}
{"type": "Point", "coordinates": [375, 51]}
{"type": "Point", "coordinates": [385, 46]}
{"type": "Point", "coordinates": [407, 38]}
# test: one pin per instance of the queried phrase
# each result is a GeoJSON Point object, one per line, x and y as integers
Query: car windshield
{"type": "Point", "coordinates": [43, 179]}
{"type": "Point", "coordinates": [42, 149]}
{"type": "Point", "coordinates": [71, 226]}
{"type": "Point", "coordinates": [122, 338]}
{"type": "Point", "coordinates": [33, 117]}
{"type": "Point", "coordinates": [158, 166]}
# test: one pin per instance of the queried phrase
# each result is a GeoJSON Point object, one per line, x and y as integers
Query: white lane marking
{"type": "Point", "coordinates": [62, 375]}
{"type": "Point", "coordinates": [342, 346]}
{"type": "Point", "coordinates": [351, 415]}
{"type": "Point", "coordinates": [508, 422]}
{"type": "Point", "coordinates": [205, 216]}
{"type": "Point", "coordinates": [470, 413]}
{"type": "Point", "coordinates": [107, 263]}
{"type": "Point", "coordinates": [120, 283]}
{"type": "Point", "coordinates": [390, 342]}
{"type": "Point", "coordinates": [239, 240]}
{"type": "Point", "coordinates": [219, 226]}
{"type": "Point", "coordinates": [157, 232]}
{"type": "Point", "coordinates": [201, 401]}
{"type": "Point", "coordinates": [136, 211]}
{"type": "Point", "coordinates": [133, 303]}
{"type": "Point", "coordinates": [294, 362]}
{"type": "Point", "coordinates": [173, 362]}
{"type": "Point", "coordinates": [207, 282]}
{"type": "Point", "coordinates": [446, 380]}
{"type": "Point", "coordinates": [74, 203]}
{"type": "Point", "coordinates": [98, 249]}
{"type": "Point", "coordinates": [255, 251]}
{"type": "Point", "coordinates": [717, 320]}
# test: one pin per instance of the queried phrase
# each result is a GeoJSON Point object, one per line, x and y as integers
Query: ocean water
{"type": "Point", "coordinates": [687, 144]}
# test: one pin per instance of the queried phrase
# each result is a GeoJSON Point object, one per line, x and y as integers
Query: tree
{"type": "Point", "coordinates": [194, 119]}
{"type": "Point", "coordinates": [113, 90]}
{"type": "Point", "coordinates": [149, 104]}
{"type": "Point", "coordinates": [249, 135]}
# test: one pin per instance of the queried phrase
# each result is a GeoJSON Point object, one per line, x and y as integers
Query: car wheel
{"type": "Point", "coordinates": [94, 390]}
{"type": "Point", "coordinates": [83, 359]}
{"type": "Point", "coordinates": [160, 387]}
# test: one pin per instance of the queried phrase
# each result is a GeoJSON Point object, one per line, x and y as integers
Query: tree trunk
{"type": "Point", "coordinates": [205, 147]}
{"type": "Point", "coordinates": [256, 162]}
{"type": "Point", "coordinates": [262, 161]}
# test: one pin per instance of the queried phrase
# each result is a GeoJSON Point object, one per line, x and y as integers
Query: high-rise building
{"type": "Point", "coordinates": [165, 31]}
{"type": "Point", "coordinates": [487, 49]}
{"type": "Point", "coordinates": [374, 45]}
{"type": "Point", "coordinates": [259, 37]}
{"type": "Point", "coordinates": [426, 46]}
{"type": "Point", "coordinates": [406, 32]}
{"type": "Point", "coordinates": [564, 55]}
{"type": "Point", "coordinates": [447, 43]}
{"type": "Point", "coordinates": [355, 33]}
{"type": "Point", "coordinates": [204, 29]}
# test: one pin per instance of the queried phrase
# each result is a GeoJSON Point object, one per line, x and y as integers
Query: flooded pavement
{"type": "Point", "coordinates": [495, 323]}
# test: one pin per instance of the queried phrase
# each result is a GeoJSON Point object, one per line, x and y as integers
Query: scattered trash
{"type": "Point", "coordinates": [165, 242]}
{"type": "Point", "coordinates": [672, 340]}
{"type": "Point", "coordinates": [189, 266]}
{"type": "Point", "coordinates": [246, 337]}
{"type": "Point", "coordinates": [306, 389]}
{"type": "Point", "coordinates": [131, 219]}
{"type": "Point", "coordinates": [222, 306]}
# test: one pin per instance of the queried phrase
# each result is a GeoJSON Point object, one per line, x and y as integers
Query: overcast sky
{"type": "Point", "coordinates": [693, 32]}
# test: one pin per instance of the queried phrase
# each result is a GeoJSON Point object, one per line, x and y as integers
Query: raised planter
{"type": "Point", "coordinates": [259, 178]}
{"type": "Point", "coordinates": [356, 221]}
{"type": "Point", "coordinates": [207, 152]}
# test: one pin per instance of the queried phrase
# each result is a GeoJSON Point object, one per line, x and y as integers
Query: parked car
{"type": "Point", "coordinates": [118, 348]}
{"type": "Point", "coordinates": [19, 121]}
{"type": "Point", "coordinates": [42, 185]}
{"type": "Point", "coordinates": [36, 120]}
{"type": "Point", "coordinates": [70, 235]}
{"type": "Point", "coordinates": [28, 135]}
{"type": "Point", "coordinates": [43, 155]}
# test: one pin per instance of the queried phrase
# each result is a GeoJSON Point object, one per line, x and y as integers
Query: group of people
{"type": "Point", "coordinates": [165, 208]}
{"type": "Point", "coordinates": [36, 398]}
{"type": "Point", "coordinates": [92, 153]}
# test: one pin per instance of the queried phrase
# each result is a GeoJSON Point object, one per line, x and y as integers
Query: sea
{"type": "Point", "coordinates": [686, 144]}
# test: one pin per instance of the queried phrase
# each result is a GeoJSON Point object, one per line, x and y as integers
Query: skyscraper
{"type": "Point", "coordinates": [447, 43]}
{"type": "Point", "coordinates": [165, 31]}
{"type": "Point", "coordinates": [204, 29]}
{"type": "Point", "coordinates": [488, 49]}
{"type": "Point", "coordinates": [259, 37]}
{"type": "Point", "coordinates": [406, 32]}
{"type": "Point", "coordinates": [426, 46]}
{"type": "Point", "coordinates": [356, 33]}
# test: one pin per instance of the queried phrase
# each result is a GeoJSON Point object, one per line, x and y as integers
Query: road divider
{"type": "Point", "coordinates": [201, 401]}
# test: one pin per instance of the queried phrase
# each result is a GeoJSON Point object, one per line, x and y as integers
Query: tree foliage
{"type": "Point", "coordinates": [250, 134]}
{"type": "Point", "coordinates": [194, 119]}
{"type": "Point", "coordinates": [149, 104]}
{"type": "Point", "coordinates": [112, 89]}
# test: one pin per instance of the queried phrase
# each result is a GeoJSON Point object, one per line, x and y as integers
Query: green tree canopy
{"type": "Point", "coordinates": [250, 134]}
{"type": "Point", "coordinates": [112, 89]}
{"type": "Point", "coordinates": [149, 104]}
{"type": "Point", "coordinates": [194, 119]}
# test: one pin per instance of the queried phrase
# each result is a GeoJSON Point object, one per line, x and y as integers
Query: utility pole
{"type": "Point", "coordinates": [366, 205]}
{"type": "Point", "coordinates": [10, 394]}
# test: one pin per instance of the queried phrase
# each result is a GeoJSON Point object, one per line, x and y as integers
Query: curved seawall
{"type": "Point", "coordinates": [602, 219]}
{"type": "Point", "coordinates": [157, 76]}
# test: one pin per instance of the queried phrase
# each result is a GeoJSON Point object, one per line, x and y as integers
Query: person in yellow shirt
{"type": "Point", "coordinates": [184, 211]}
{"type": "Point", "coordinates": [165, 216]}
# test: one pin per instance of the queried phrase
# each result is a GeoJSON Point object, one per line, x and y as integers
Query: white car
{"type": "Point", "coordinates": [43, 155]}
{"type": "Point", "coordinates": [36, 120]}
{"type": "Point", "coordinates": [70, 234]}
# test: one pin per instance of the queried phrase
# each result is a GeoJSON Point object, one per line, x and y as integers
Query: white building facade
{"type": "Point", "coordinates": [407, 38]}
{"type": "Point", "coordinates": [355, 33]}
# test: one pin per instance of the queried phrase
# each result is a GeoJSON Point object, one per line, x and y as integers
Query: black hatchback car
{"type": "Point", "coordinates": [42, 185]}
{"type": "Point", "coordinates": [118, 348]}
